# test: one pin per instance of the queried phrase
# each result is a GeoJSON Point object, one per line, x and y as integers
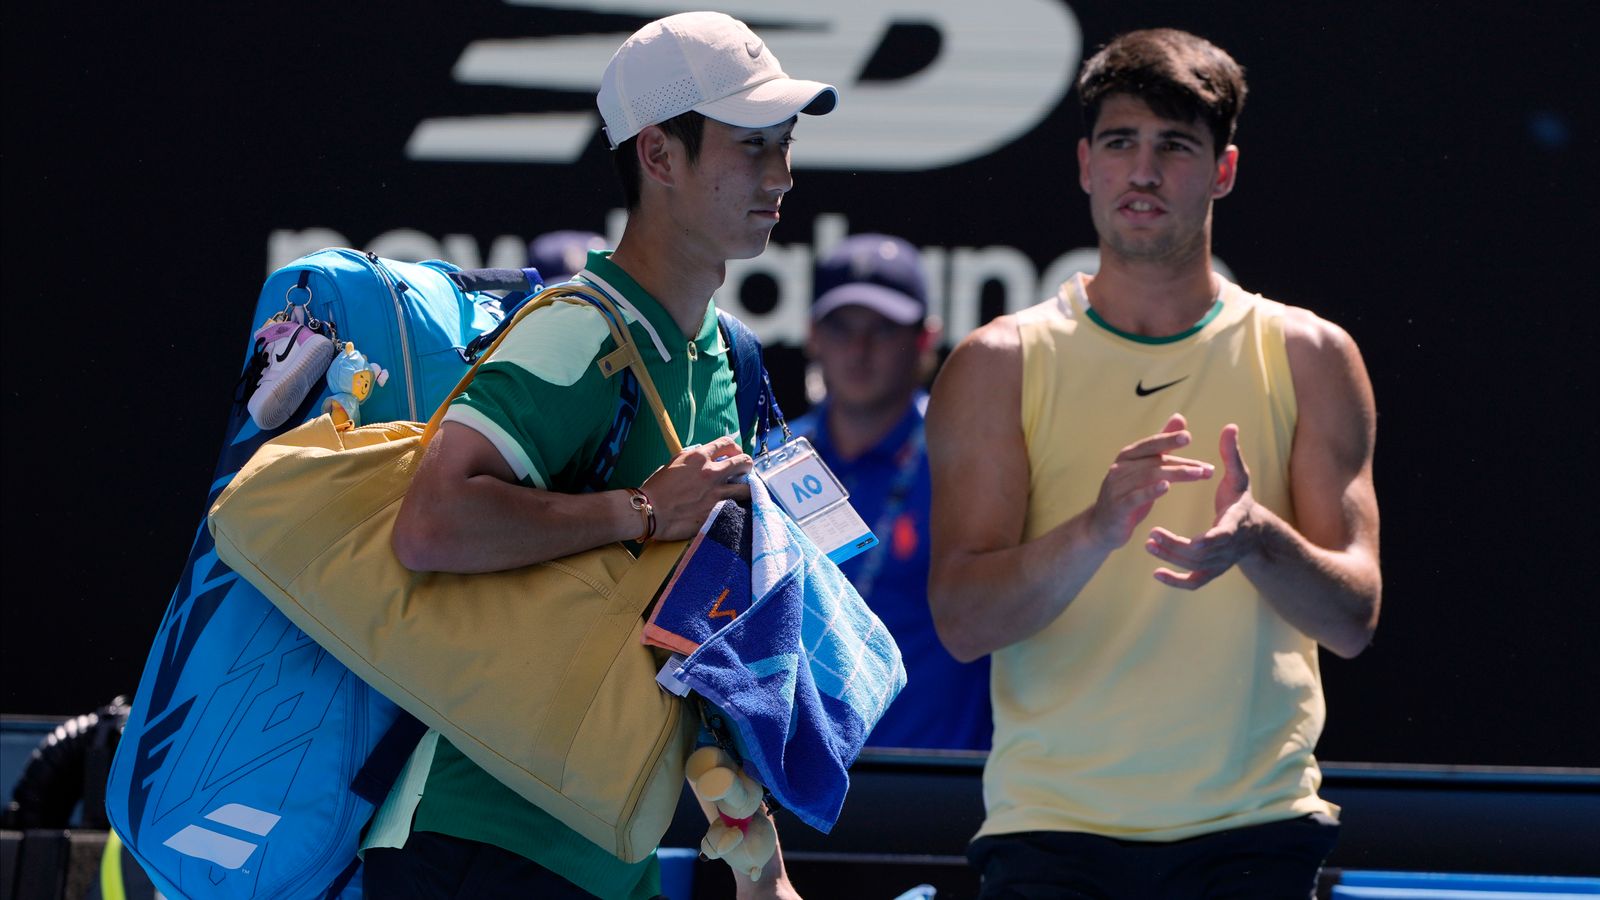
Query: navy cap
{"type": "Point", "coordinates": [880, 272]}
{"type": "Point", "coordinates": [558, 255]}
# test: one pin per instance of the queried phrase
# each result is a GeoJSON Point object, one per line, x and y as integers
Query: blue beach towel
{"type": "Point", "coordinates": [802, 674]}
{"type": "Point", "coordinates": [711, 585]}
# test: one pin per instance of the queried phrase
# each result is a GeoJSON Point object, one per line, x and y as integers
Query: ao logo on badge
{"type": "Point", "coordinates": [806, 487]}
{"type": "Point", "coordinates": [801, 483]}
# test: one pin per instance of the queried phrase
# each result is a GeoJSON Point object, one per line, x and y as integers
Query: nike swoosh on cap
{"type": "Point", "coordinates": [1143, 391]}
{"type": "Point", "coordinates": [753, 48]}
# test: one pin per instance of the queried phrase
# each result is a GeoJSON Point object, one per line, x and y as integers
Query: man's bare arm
{"type": "Point", "coordinates": [1321, 574]}
{"type": "Point", "coordinates": [987, 588]}
{"type": "Point", "coordinates": [774, 882]}
{"type": "Point", "coordinates": [465, 511]}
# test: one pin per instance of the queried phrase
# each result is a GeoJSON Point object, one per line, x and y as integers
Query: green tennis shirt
{"type": "Point", "coordinates": [543, 402]}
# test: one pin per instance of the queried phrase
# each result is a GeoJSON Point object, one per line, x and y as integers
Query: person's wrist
{"type": "Point", "coordinates": [1096, 537]}
{"type": "Point", "coordinates": [640, 501]}
{"type": "Point", "coordinates": [1256, 530]}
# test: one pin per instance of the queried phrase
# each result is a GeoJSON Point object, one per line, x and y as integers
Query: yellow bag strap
{"type": "Point", "coordinates": [625, 356]}
{"type": "Point", "coordinates": [640, 583]}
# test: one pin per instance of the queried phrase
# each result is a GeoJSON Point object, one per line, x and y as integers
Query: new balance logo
{"type": "Point", "coordinates": [999, 69]}
{"type": "Point", "coordinates": [221, 849]}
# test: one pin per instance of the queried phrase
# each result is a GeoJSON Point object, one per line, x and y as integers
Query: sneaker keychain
{"type": "Point", "coordinates": [293, 348]}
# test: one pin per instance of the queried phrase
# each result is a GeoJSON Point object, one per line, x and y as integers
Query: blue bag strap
{"type": "Point", "coordinates": [747, 370]}
{"type": "Point", "coordinates": [753, 389]}
{"type": "Point", "coordinates": [521, 284]}
{"type": "Point", "coordinates": [388, 757]}
{"type": "Point", "coordinates": [604, 463]}
{"type": "Point", "coordinates": [496, 279]}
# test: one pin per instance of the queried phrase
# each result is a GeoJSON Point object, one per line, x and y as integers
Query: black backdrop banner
{"type": "Point", "coordinates": [1421, 173]}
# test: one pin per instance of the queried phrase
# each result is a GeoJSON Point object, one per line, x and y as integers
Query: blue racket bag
{"type": "Point", "coordinates": [251, 759]}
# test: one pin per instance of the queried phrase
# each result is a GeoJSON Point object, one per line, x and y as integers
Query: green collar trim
{"type": "Point", "coordinates": [1216, 310]}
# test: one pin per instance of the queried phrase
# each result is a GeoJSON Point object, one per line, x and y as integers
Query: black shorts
{"type": "Point", "coordinates": [440, 867]}
{"type": "Point", "coordinates": [1272, 861]}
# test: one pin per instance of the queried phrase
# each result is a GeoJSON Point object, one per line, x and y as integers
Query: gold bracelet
{"type": "Point", "coordinates": [639, 501]}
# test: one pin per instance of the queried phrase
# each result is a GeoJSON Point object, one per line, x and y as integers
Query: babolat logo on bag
{"type": "Point", "coordinates": [233, 776]}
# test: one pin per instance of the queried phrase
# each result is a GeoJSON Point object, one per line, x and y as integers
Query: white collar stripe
{"type": "Point", "coordinates": [621, 300]}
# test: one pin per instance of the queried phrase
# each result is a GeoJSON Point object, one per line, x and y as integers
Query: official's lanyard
{"type": "Point", "coordinates": [909, 456]}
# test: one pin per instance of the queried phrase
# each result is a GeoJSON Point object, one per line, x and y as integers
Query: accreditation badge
{"type": "Point", "coordinates": [811, 494]}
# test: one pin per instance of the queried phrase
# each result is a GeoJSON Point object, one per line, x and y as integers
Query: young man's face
{"type": "Point", "coordinates": [1151, 181]}
{"type": "Point", "coordinates": [869, 362]}
{"type": "Point", "coordinates": [729, 198]}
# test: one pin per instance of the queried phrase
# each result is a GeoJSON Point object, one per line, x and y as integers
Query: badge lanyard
{"type": "Point", "coordinates": [909, 455]}
{"type": "Point", "coordinates": [766, 411]}
{"type": "Point", "coordinates": [800, 482]}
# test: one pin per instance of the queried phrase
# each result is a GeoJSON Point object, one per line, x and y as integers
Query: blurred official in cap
{"type": "Point", "coordinates": [873, 345]}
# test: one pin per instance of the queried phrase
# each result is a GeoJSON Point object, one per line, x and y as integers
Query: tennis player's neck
{"type": "Point", "coordinates": [1152, 303]}
{"type": "Point", "coordinates": [681, 285]}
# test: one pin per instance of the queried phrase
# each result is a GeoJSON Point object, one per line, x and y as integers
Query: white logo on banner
{"type": "Point", "coordinates": [1001, 68]}
{"type": "Point", "coordinates": [956, 276]}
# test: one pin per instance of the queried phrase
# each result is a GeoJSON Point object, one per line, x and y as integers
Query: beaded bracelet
{"type": "Point", "coordinates": [639, 501]}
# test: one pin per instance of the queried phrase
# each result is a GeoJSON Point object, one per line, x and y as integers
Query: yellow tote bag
{"type": "Point", "coordinates": [537, 674]}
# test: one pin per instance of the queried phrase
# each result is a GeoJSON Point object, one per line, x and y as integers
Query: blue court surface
{"type": "Point", "coordinates": [1359, 885]}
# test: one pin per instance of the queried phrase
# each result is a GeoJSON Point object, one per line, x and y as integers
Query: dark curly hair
{"type": "Point", "coordinates": [1181, 76]}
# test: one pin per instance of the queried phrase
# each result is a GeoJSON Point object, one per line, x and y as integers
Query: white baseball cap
{"type": "Point", "coordinates": [709, 62]}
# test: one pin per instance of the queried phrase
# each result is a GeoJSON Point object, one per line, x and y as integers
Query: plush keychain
{"type": "Point", "coordinates": [351, 378]}
{"type": "Point", "coordinates": [739, 835]}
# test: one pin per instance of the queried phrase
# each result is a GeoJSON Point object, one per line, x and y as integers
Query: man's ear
{"type": "Point", "coordinates": [1083, 164]}
{"type": "Point", "coordinates": [656, 159]}
{"type": "Point", "coordinates": [1227, 172]}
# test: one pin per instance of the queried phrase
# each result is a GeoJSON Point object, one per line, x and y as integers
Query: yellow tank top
{"type": "Point", "coordinates": [1144, 712]}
